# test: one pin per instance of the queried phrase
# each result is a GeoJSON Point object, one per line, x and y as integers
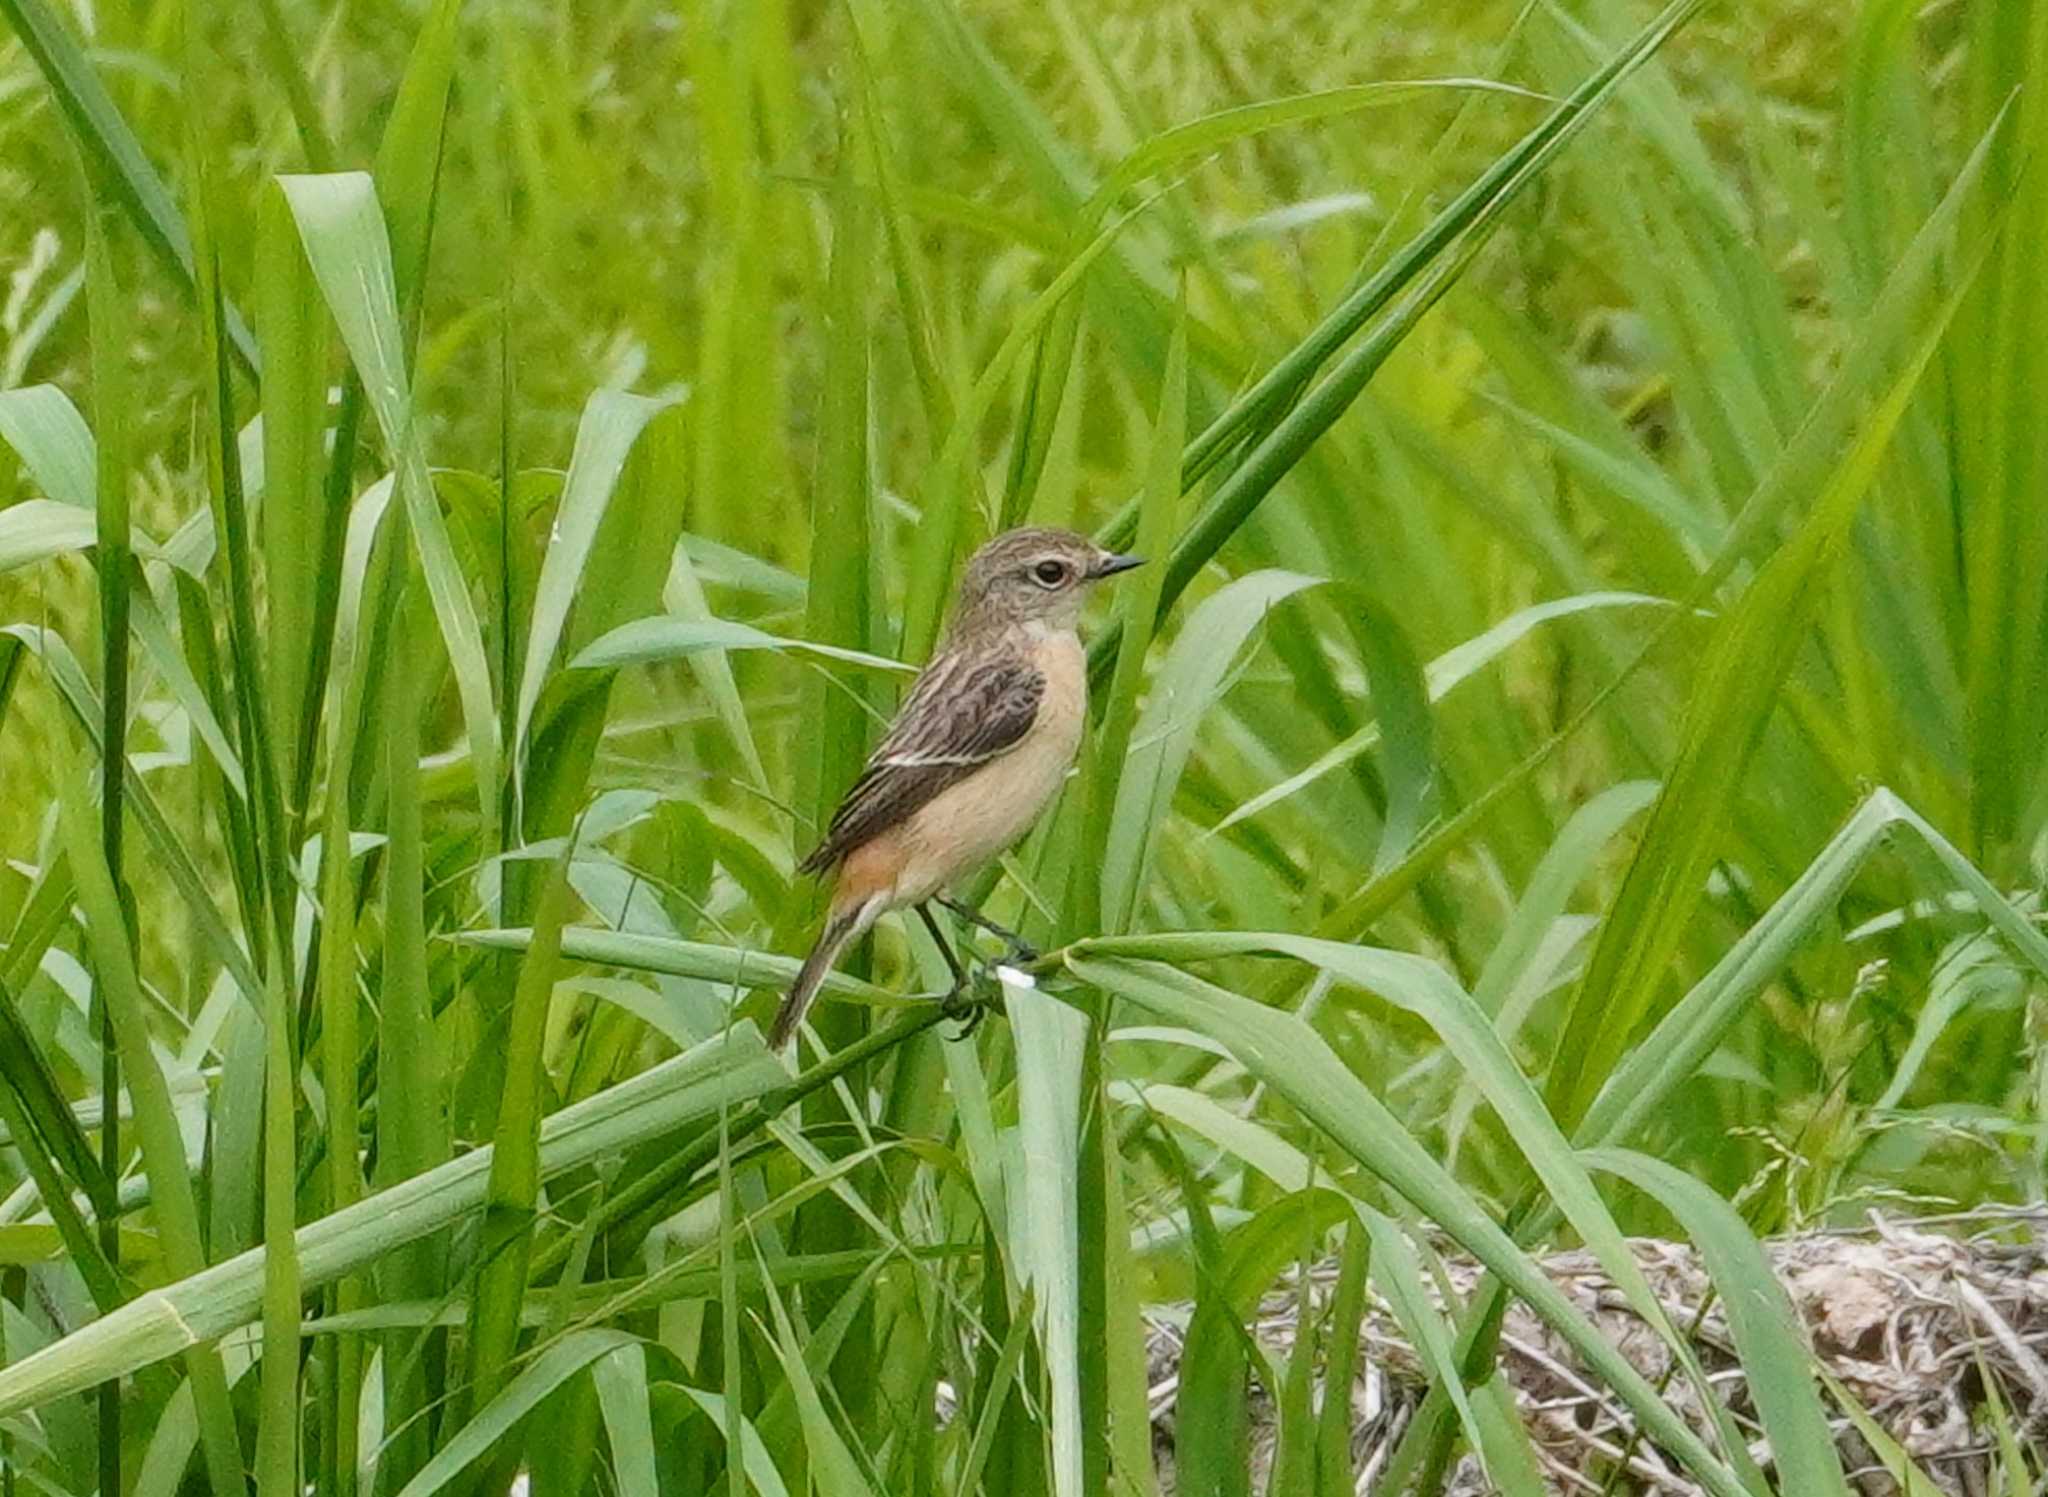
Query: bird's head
{"type": "Point", "coordinates": [1034, 575]}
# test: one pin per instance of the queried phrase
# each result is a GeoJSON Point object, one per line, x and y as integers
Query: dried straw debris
{"type": "Point", "coordinates": [1903, 1314]}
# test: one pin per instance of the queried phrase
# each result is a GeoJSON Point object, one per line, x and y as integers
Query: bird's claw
{"type": "Point", "coordinates": [965, 1006]}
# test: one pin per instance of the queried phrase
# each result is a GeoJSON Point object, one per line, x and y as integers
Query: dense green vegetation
{"type": "Point", "coordinates": [472, 477]}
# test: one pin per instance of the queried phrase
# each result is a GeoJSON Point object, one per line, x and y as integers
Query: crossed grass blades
{"type": "Point", "coordinates": [1482, 807]}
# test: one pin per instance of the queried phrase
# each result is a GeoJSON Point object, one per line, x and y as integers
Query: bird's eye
{"type": "Point", "coordinates": [1050, 573]}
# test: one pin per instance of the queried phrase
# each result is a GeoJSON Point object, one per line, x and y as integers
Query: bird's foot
{"type": "Point", "coordinates": [966, 1006]}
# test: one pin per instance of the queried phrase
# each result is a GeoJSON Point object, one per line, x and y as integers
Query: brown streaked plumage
{"type": "Point", "coordinates": [977, 752]}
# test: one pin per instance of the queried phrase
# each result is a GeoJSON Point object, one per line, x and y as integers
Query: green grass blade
{"type": "Point", "coordinates": [293, 336]}
{"type": "Point", "coordinates": [1257, 412]}
{"type": "Point", "coordinates": [156, 1122]}
{"type": "Point", "coordinates": [111, 526]}
{"type": "Point", "coordinates": [1051, 1040]}
{"type": "Point", "coordinates": [49, 436]}
{"type": "Point", "coordinates": [1760, 1318]}
{"type": "Point", "coordinates": [646, 641]}
{"type": "Point", "coordinates": [1212, 132]}
{"type": "Point", "coordinates": [26, 1132]}
{"type": "Point", "coordinates": [506, 1241]}
{"type": "Point", "coordinates": [725, 965]}
{"type": "Point", "coordinates": [1426, 990]}
{"type": "Point", "coordinates": [683, 598]}
{"type": "Point", "coordinates": [554, 1367]}
{"type": "Point", "coordinates": [1295, 1063]}
{"type": "Point", "coordinates": [1191, 679]}
{"type": "Point", "coordinates": [759, 1466]}
{"type": "Point", "coordinates": [946, 488]}
{"type": "Point", "coordinates": [200, 1307]}
{"type": "Point", "coordinates": [277, 1442]}
{"type": "Point", "coordinates": [346, 243]}
{"type": "Point", "coordinates": [1336, 1474]}
{"type": "Point", "coordinates": [1725, 718]}
{"type": "Point", "coordinates": [408, 167]}
{"type": "Point", "coordinates": [1673, 1052]}
{"type": "Point", "coordinates": [611, 424]}
{"type": "Point", "coordinates": [282, 53]}
{"type": "Point", "coordinates": [621, 1380]}
{"type": "Point", "coordinates": [840, 602]}
{"type": "Point", "coordinates": [413, 1122]}
{"type": "Point", "coordinates": [118, 158]}
{"type": "Point", "coordinates": [1107, 907]}
{"type": "Point", "coordinates": [83, 705]}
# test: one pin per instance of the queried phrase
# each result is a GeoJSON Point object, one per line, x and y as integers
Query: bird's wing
{"type": "Point", "coordinates": [967, 708]}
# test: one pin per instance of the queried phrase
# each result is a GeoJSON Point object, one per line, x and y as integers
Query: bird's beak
{"type": "Point", "coordinates": [1110, 564]}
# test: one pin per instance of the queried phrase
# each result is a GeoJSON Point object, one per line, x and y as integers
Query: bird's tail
{"type": "Point", "coordinates": [842, 926]}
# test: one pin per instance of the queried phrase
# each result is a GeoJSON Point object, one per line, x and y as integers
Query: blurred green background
{"type": "Point", "coordinates": [1721, 461]}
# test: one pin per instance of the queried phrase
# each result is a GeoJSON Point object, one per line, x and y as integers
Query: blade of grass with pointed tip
{"type": "Point", "coordinates": [646, 641]}
{"type": "Point", "coordinates": [1673, 1051]}
{"type": "Point", "coordinates": [1761, 1320]}
{"type": "Point", "coordinates": [683, 598]}
{"type": "Point", "coordinates": [268, 901]}
{"type": "Point", "coordinates": [343, 231]}
{"type": "Point", "coordinates": [1398, 1272]}
{"type": "Point", "coordinates": [1255, 413]}
{"type": "Point", "coordinates": [1104, 906]}
{"type": "Point", "coordinates": [272, 901]}
{"type": "Point", "coordinates": [292, 332]}
{"type": "Point", "coordinates": [1725, 718]}
{"type": "Point", "coordinates": [408, 168]}
{"type": "Point", "coordinates": [758, 1465]}
{"type": "Point", "coordinates": [832, 1464]}
{"type": "Point", "coordinates": [612, 423]}
{"type": "Point", "coordinates": [621, 1380]}
{"type": "Point", "coordinates": [1212, 132]}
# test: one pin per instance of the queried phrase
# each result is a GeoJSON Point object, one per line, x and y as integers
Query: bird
{"type": "Point", "coordinates": [978, 751]}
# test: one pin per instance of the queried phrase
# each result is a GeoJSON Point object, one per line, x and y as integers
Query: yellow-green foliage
{"type": "Point", "coordinates": [1574, 766]}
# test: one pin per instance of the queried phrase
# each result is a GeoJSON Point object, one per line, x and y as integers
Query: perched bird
{"type": "Point", "coordinates": [978, 751]}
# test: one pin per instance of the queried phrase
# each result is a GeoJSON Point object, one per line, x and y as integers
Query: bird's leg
{"type": "Point", "coordinates": [957, 1002]}
{"type": "Point", "coordinates": [924, 913]}
{"type": "Point", "coordinates": [1021, 950]}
